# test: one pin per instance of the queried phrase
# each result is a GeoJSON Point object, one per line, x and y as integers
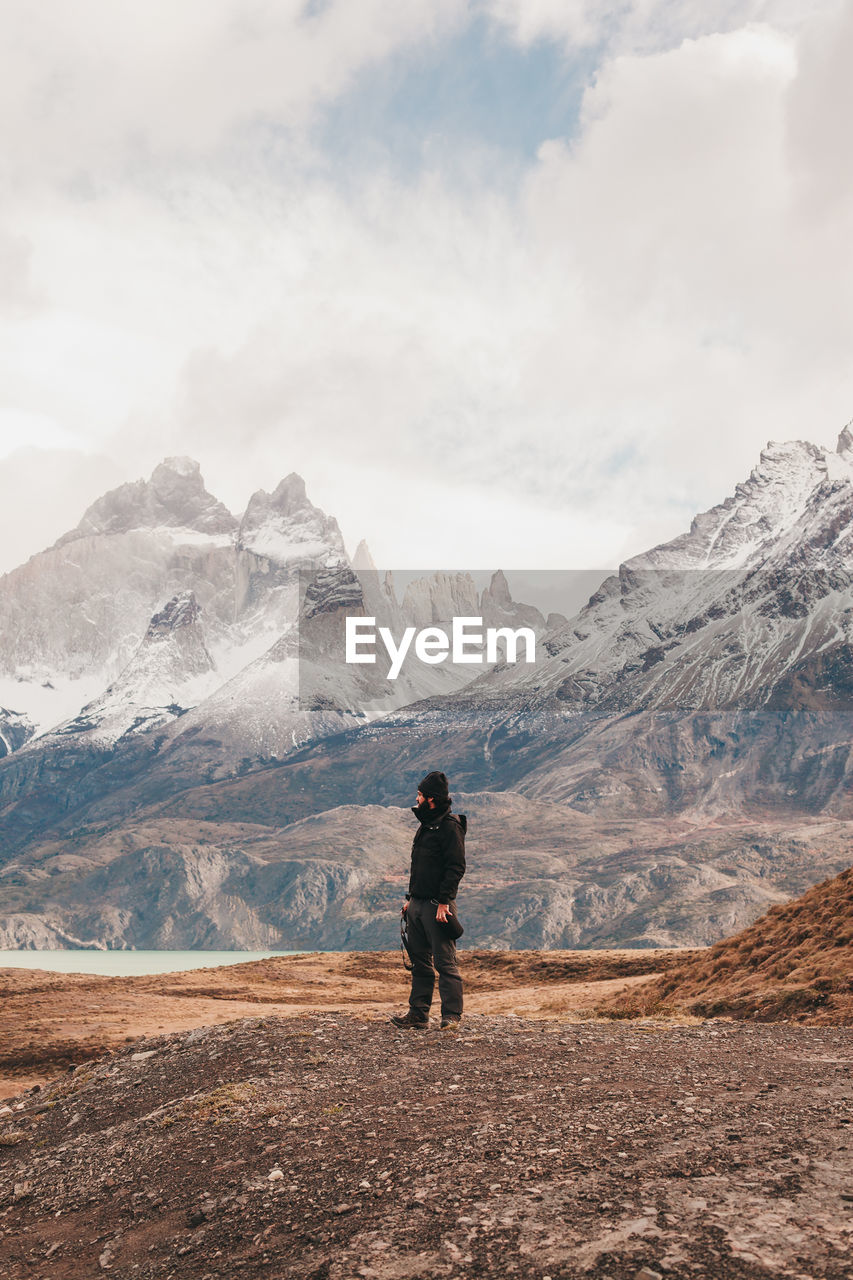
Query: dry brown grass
{"type": "Point", "coordinates": [795, 963]}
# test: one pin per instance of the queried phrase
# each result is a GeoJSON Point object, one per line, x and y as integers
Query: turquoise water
{"type": "Point", "coordinates": [126, 964]}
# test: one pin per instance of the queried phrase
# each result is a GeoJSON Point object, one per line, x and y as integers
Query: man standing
{"type": "Point", "coordinates": [438, 864]}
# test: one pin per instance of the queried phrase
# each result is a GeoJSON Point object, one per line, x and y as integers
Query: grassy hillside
{"type": "Point", "coordinates": [794, 963]}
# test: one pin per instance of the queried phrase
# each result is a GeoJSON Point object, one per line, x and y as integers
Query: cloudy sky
{"type": "Point", "coordinates": [516, 282]}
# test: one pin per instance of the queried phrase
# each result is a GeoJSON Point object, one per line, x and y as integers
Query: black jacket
{"type": "Point", "coordinates": [438, 854]}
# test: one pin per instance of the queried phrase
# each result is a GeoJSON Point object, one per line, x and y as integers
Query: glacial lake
{"type": "Point", "coordinates": [129, 964]}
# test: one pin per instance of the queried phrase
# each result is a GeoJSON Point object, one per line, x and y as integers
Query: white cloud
{"type": "Point", "coordinates": [578, 23]}
{"type": "Point", "coordinates": [552, 373]}
{"type": "Point", "coordinates": [97, 88]}
{"type": "Point", "coordinates": [46, 490]}
{"type": "Point", "coordinates": [644, 26]}
{"type": "Point", "coordinates": [21, 429]}
{"type": "Point", "coordinates": [820, 108]}
{"type": "Point", "coordinates": [16, 289]}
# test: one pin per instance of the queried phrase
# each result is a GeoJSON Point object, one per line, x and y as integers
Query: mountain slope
{"type": "Point", "coordinates": [795, 962]}
{"type": "Point", "coordinates": [538, 876]}
{"type": "Point", "coordinates": [170, 672]}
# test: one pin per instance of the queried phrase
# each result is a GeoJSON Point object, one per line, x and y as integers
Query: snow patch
{"type": "Point", "coordinates": [182, 466]}
{"type": "Point", "coordinates": [182, 536]}
{"type": "Point", "coordinates": [47, 706]}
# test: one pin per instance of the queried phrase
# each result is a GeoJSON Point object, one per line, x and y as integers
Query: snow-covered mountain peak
{"type": "Point", "coordinates": [174, 499]}
{"type": "Point", "coordinates": [779, 486]}
{"type": "Point", "coordinates": [178, 487]}
{"type": "Point", "coordinates": [182, 466]}
{"type": "Point", "coordinates": [177, 627]}
{"type": "Point", "coordinates": [498, 609]}
{"type": "Point", "coordinates": [782, 453]}
{"type": "Point", "coordinates": [737, 533]}
{"type": "Point", "coordinates": [284, 526]}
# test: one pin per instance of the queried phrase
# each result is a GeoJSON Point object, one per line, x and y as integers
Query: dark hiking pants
{"type": "Point", "coordinates": [427, 943]}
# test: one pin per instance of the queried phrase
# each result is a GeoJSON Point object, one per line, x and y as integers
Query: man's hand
{"type": "Point", "coordinates": [442, 912]}
{"type": "Point", "coordinates": [405, 906]}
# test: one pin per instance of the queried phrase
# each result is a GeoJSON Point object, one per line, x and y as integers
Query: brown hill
{"type": "Point", "coordinates": [794, 963]}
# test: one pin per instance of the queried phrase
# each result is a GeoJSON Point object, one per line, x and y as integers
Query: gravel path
{"type": "Point", "coordinates": [331, 1147]}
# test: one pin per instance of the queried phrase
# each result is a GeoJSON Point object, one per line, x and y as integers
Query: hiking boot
{"type": "Point", "coordinates": [409, 1021]}
{"type": "Point", "coordinates": [450, 1024]}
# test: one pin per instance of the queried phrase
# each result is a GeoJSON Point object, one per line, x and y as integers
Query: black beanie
{"type": "Point", "coordinates": [436, 785]}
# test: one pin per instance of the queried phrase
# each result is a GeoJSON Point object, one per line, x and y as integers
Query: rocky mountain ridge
{"type": "Point", "coordinates": [175, 497]}
{"type": "Point", "coordinates": [78, 617]}
{"type": "Point", "coordinates": [704, 688]}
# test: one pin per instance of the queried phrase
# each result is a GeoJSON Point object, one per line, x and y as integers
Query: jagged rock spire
{"type": "Point", "coordinates": [497, 592]}
{"type": "Point", "coordinates": [362, 558]}
{"type": "Point", "coordinates": [284, 526]}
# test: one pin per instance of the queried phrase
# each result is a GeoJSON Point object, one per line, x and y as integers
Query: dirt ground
{"type": "Point", "coordinates": [329, 1146]}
